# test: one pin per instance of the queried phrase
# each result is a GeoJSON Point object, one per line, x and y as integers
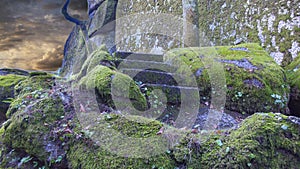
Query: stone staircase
{"type": "Point", "coordinates": [152, 72]}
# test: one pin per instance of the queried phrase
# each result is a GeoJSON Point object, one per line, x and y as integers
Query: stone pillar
{"type": "Point", "coordinates": [191, 23]}
{"type": "Point", "coordinates": [102, 23]}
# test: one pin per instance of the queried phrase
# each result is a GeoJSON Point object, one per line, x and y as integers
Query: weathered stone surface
{"type": "Point", "coordinates": [75, 52]}
{"type": "Point", "coordinates": [102, 25]}
{"type": "Point", "coordinates": [220, 22]}
{"type": "Point", "coordinates": [156, 26]}
{"type": "Point", "coordinates": [275, 25]}
{"type": "Point", "coordinates": [104, 14]}
{"type": "Point", "coordinates": [51, 126]}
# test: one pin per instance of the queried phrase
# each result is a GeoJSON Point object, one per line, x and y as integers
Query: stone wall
{"type": "Point", "coordinates": [273, 24]}
{"type": "Point", "coordinates": [155, 26]}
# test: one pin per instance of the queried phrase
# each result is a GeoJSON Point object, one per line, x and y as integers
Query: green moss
{"type": "Point", "coordinates": [187, 151]}
{"type": "Point", "coordinates": [34, 83]}
{"type": "Point", "coordinates": [28, 128]}
{"type": "Point", "coordinates": [21, 102]}
{"type": "Point", "coordinates": [268, 76]}
{"type": "Point", "coordinates": [109, 152]}
{"type": "Point", "coordinates": [7, 84]}
{"type": "Point", "coordinates": [103, 79]}
{"type": "Point", "coordinates": [134, 126]}
{"type": "Point", "coordinates": [1, 131]}
{"type": "Point", "coordinates": [10, 80]}
{"type": "Point", "coordinates": [14, 106]}
{"type": "Point", "coordinates": [293, 76]}
{"type": "Point", "coordinates": [92, 61]}
{"type": "Point", "coordinates": [81, 156]}
{"type": "Point", "coordinates": [264, 140]}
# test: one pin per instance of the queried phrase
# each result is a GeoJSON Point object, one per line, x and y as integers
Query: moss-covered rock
{"type": "Point", "coordinates": [98, 57]}
{"type": "Point", "coordinates": [7, 83]}
{"type": "Point", "coordinates": [264, 140]}
{"type": "Point", "coordinates": [33, 83]}
{"type": "Point", "coordinates": [293, 74]}
{"type": "Point", "coordinates": [36, 120]}
{"type": "Point", "coordinates": [108, 82]}
{"type": "Point", "coordinates": [37, 73]}
{"type": "Point", "coordinates": [109, 151]}
{"type": "Point", "coordinates": [43, 132]}
{"type": "Point", "coordinates": [36, 123]}
{"type": "Point", "coordinates": [255, 83]}
{"type": "Point", "coordinates": [46, 132]}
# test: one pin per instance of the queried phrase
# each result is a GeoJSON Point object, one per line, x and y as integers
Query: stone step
{"type": "Point", "coordinates": [175, 94]}
{"type": "Point", "coordinates": [155, 74]}
{"type": "Point", "coordinates": [159, 77]}
{"type": "Point", "coordinates": [150, 76]}
{"type": "Point", "coordinates": [140, 64]}
{"type": "Point", "coordinates": [139, 56]}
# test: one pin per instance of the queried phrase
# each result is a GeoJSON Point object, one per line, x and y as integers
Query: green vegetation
{"type": "Point", "coordinates": [42, 133]}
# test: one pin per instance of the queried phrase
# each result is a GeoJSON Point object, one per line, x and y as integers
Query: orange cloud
{"type": "Point", "coordinates": [52, 60]}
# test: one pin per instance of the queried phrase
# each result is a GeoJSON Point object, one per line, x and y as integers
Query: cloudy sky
{"type": "Point", "coordinates": [33, 32]}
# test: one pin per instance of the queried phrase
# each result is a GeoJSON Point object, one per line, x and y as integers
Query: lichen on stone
{"type": "Point", "coordinates": [274, 26]}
